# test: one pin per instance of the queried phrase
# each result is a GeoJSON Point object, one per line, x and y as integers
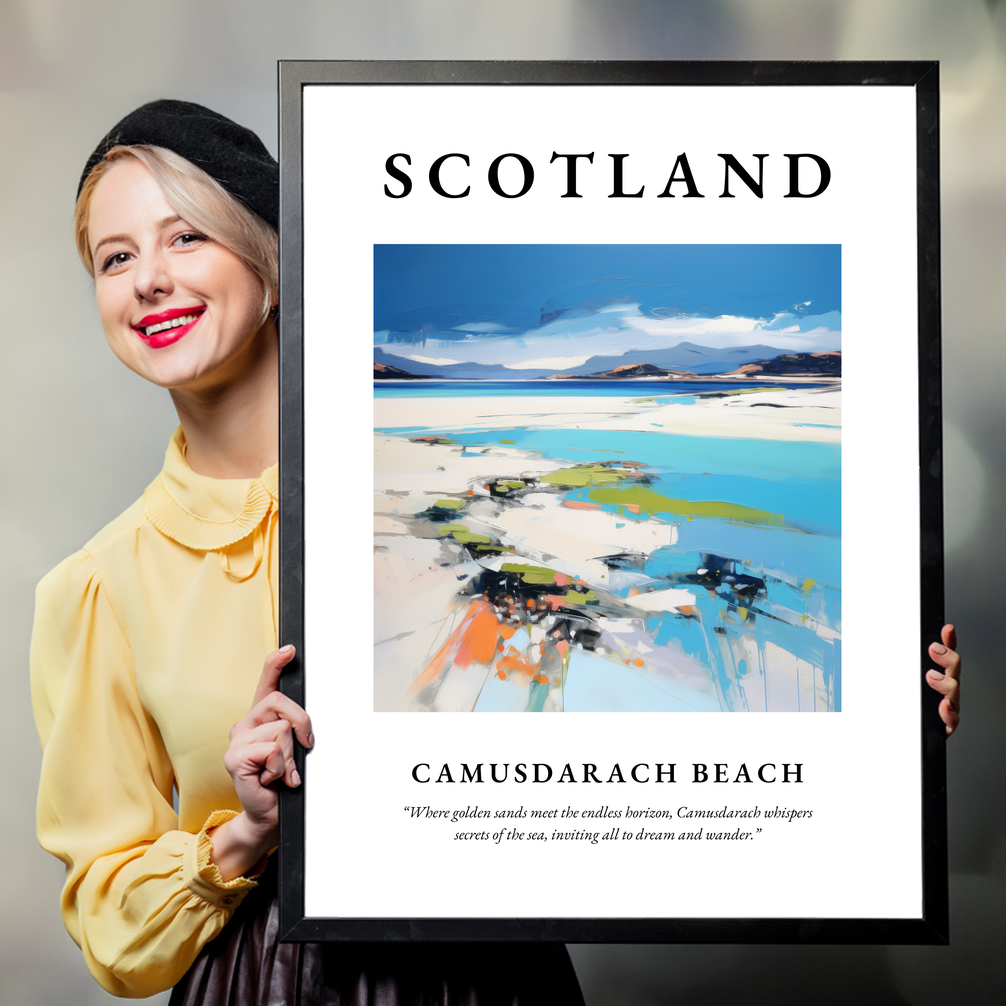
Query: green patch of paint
{"type": "Point", "coordinates": [739, 391]}
{"type": "Point", "coordinates": [653, 502]}
{"type": "Point", "coordinates": [530, 574]}
{"type": "Point", "coordinates": [575, 597]}
{"type": "Point", "coordinates": [450, 504]}
{"type": "Point", "coordinates": [507, 441]}
{"type": "Point", "coordinates": [586, 475]}
{"type": "Point", "coordinates": [463, 534]}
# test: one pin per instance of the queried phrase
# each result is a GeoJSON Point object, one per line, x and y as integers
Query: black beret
{"type": "Point", "coordinates": [230, 154]}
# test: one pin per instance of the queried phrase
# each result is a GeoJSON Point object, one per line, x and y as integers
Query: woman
{"type": "Point", "coordinates": [148, 643]}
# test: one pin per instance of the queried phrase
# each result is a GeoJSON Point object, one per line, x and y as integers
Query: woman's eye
{"type": "Point", "coordinates": [190, 238]}
{"type": "Point", "coordinates": [114, 261]}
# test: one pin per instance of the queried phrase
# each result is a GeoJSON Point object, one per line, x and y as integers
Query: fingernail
{"type": "Point", "coordinates": [310, 740]}
{"type": "Point", "coordinates": [287, 649]}
{"type": "Point", "coordinates": [295, 777]}
{"type": "Point", "coordinates": [938, 648]}
{"type": "Point", "coordinates": [936, 676]}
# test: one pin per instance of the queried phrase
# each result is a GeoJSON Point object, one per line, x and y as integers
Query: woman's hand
{"type": "Point", "coordinates": [947, 682]}
{"type": "Point", "coordinates": [260, 753]}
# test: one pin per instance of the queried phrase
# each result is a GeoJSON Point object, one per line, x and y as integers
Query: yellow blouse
{"type": "Point", "coordinates": [147, 647]}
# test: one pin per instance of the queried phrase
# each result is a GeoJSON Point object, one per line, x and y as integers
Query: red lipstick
{"type": "Point", "coordinates": [166, 327]}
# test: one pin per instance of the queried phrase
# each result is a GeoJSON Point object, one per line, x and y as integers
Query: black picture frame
{"type": "Point", "coordinates": [933, 925]}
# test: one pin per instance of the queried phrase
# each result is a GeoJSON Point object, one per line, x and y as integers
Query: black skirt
{"type": "Point", "coordinates": [246, 965]}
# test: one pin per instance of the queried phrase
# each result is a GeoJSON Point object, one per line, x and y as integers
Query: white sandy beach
{"type": "Point", "coordinates": [812, 413]}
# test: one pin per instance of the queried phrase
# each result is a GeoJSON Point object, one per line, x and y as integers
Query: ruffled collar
{"type": "Point", "coordinates": [203, 513]}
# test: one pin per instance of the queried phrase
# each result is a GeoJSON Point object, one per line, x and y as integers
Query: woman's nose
{"type": "Point", "coordinates": [152, 277]}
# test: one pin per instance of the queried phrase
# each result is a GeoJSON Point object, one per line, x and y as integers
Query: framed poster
{"type": "Point", "coordinates": [611, 501]}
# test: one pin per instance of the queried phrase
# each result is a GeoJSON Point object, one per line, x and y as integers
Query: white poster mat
{"type": "Point", "coordinates": [859, 854]}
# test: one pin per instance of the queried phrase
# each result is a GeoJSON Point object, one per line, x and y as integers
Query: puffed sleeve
{"type": "Point", "coordinates": [141, 898]}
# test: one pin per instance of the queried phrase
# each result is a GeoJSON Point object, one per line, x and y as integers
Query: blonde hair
{"type": "Point", "coordinates": [199, 200]}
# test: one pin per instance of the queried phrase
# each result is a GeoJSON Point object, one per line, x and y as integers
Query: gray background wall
{"type": "Point", "coordinates": [82, 436]}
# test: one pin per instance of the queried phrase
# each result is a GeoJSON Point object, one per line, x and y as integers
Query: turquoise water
{"type": "Point", "coordinates": [799, 479]}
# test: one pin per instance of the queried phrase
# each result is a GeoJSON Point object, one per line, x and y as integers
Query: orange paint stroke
{"type": "Point", "coordinates": [475, 638]}
{"type": "Point", "coordinates": [478, 642]}
{"type": "Point", "coordinates": [581, 505]}
{"type": "Point", "coordinates": [516, 664]}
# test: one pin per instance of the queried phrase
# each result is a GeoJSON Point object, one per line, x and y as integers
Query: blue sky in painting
{"type": "Point", "coordinates": [557, 305]}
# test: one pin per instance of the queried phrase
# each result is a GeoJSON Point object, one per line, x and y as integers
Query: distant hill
{"type": "Point", "coordinates": [797, 364]}
{"type": "Point", "coordinates": [458, 371]}
{"type": "Point", "coordinates": [384, 372]}
{"type": "Point", "coordinates": [628, 370]}
{"type": "Point", "coordinates": [685, 356]}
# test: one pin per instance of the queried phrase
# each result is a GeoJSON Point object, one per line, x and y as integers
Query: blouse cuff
{"type": "Point", "coordinates": [202, 876]}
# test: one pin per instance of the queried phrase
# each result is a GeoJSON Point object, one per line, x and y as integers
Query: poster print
{"type": "Point", "coordinates": [604, 448]}
{"type": "Point", "coordinates": [627, 498]}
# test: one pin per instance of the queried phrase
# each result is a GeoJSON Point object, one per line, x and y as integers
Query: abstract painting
{"type": "Point", "coordinates": [607, 478]}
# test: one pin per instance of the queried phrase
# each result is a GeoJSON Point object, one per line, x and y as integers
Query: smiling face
{"type": "Point", "coordinates": [177, 307]}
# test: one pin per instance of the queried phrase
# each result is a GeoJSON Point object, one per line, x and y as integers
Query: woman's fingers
{"type": "Point", "coordinates": [261, 760]}
{"type": "Point", "coordinates": [947, 680]}
{"type": "Point", "coordinates": [949, 711]}
{"type": "Point", "coordinates": [948, 659]}
{"type": "Point", "coordinates": [949, 636]}
{"type": "Point", "coordinates": [277, 706]}
{"type": "Point", "coordinates": [271, 671]}
{"type": "Point", "coordinates": [270, 703]}
{"type": "Point", "coordinates": [274, 766]}
{"type": "Point", "coordinates": [278, 735]}
{"type": "Point", "coordinates": [949, 688]}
